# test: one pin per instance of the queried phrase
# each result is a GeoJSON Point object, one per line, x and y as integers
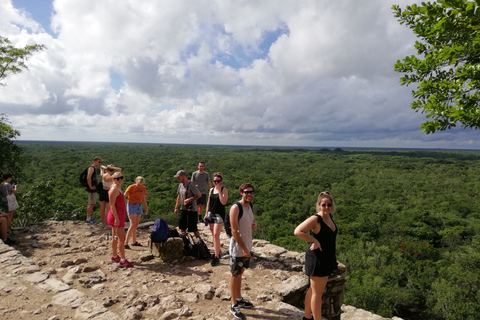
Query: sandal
{"type": "Point", "coordinates": [127, 246]}
{"type": "Point", "coordinates": [137, 244]}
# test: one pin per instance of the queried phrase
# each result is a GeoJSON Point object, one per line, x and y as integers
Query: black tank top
{"type": "Point", "coordinates": [216, 205]}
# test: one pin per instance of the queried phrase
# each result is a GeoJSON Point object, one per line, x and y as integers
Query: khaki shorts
{"type": "Point", "coordinates": [92, 197]}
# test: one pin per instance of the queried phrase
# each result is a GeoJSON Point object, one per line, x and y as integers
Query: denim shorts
{"type": "Point", "coordinates": [134, 208]}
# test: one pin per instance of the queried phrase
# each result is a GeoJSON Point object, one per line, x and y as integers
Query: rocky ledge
{"type": "Point", "coordinates": [62, 270]}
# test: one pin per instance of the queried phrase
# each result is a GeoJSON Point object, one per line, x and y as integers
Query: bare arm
{"type": "Point", "coordinates": [177, 204]}
{"type": "Point", "coordinates": [223, 196]}
{"type": "Point", "coordinates": [191, 199]}
{"type": "Point", "coordinates": [145, 203]}
{"type": "Point", "coordinates": [303, 229]}
{"type": "Point", "coordinates": [89, 178]}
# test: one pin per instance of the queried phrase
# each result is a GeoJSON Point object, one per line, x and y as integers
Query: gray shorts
{"type": "Point", "coordinates": [214, 218]}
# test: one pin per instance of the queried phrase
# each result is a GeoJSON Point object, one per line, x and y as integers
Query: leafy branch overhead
{"type": "Point", "coordinates": [13, 60]}
{"type": "Point", "coordinates": [447, 67]}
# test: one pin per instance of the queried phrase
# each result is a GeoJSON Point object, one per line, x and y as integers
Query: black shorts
{"type": "Point", "coordinates": [104, 195]}
{"type": "Point", "coordinates": [237, 264]}
{"type": "Point", "coordinates": [188, 220]}
{"type": "Point", "coordinates": [202, 199]}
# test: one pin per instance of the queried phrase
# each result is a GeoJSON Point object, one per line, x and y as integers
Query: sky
{"type": "Point", "coordinates": [275, 72]}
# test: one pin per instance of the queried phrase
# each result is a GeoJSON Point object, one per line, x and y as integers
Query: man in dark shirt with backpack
{"type": "Point", "coordinates": [91, 188]}
{"type": "Point", "coordinates": [187, 194]}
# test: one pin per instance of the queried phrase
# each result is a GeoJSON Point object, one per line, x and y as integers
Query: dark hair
{"type": "Point", "coordinates": [218, 174]}
{"type": "Point", "coordinates": [7, 175]}
{"type": "Point", "coordinates": [246, 185]}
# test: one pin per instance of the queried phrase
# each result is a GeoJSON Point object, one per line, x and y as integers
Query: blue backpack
{"type": "Point", "coordinates": [160, 231]}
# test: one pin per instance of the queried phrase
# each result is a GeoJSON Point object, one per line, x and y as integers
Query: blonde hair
{"type": "Point", "coordinates": [140, 179]}
{"type": "Point", "coordinates": [323, 195]}
{"type": "Point", "coordinates": [116, 174]}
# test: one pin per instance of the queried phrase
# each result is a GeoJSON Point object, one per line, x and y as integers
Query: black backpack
{"type": "Point", "coordinates": [227, 224]}
{"type": "Point", "coordinates": [197, 249]}
{"type": "Point", "coordinates": [83, 177]}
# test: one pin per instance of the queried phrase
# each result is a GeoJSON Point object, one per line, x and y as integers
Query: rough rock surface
{"type": "Point", "coordinates": [62, 270]}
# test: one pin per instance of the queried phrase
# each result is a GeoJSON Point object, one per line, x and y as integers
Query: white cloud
{"type": "Point", "coordinates": [214, 72]}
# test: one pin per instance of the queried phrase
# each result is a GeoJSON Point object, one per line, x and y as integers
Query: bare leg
{"type": "Point", "coordinates": [121, 241]}
{"type": "Point", "coordinates": [102, 212]}
{"type": "Point", "coordinates": [90, 210]}
{"type": "Point", "coordinates": [308, 304]}
{"type": "Point", "coordinates": [3, 228]}
{"type": "Point", "coordinates": [136, 221]}
{"type": "Point", "coordinates": [9, 219]}
{"type": "Point", "coordinates": [200, 211]}
{"type": "Point", "coordinates": [217, 228]}
{"type": "Point", "coordinates": [114, 242]}
{"type": "Point", "coordinates": [129, 232]}
{"type": "Point", "coordinates": [317, 285]}
{"type": "Point", "coordinates": [236, 287]}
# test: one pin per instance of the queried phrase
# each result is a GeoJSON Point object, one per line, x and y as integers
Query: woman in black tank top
{"type": "Point", "coordinates": [215, 215]}
{"type": "Point", "coordinates": [320, 257]}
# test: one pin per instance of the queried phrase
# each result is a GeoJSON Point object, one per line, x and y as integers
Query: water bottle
{"type": "Point", "coordinates": [206, 221]}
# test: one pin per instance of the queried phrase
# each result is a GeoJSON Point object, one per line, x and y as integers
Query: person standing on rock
{"type": "Point", "coordinates": [201, 179]}
{"type": "Point", "coordinates": [240, 247]}
{"type": "Point", "coordinates": [106, 173]}
{"type": "Point", "coordinates": [187, 193]}
{"type": "Point", "coordinates": [215, 215]}
{"type": "Point", "coordinates": [137, 195]}
{"type": "Point", "coordinates": [7, 187]}
{"type": "Point", "coordinates": [116, 219]}
{"type": "Point", "coordinates": [320, 258]}
{"type": "Point", "coordinates": [92, 188]}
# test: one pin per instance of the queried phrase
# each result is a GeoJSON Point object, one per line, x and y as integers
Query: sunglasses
{"type": "Point", "coordinates": [326, 205]}
{"type": "Point", "coordinates": [325, 192]}
{"type": "Point", "coordinates": [118, 178]}
{"type": "Point", "coordinates": [248, 192]}
{"type": "Point", "coordinates": [217, 181]}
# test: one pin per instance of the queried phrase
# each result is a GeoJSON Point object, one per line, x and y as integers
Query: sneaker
{"type": "Point", "coordinates": [92, 220]}
{"type": "Point", "coordinates": [242, 303]}
{"type": "Point", "coordinates": [126, 264]}
{"type": "Point", "coordinates": [116, 259]}
{"type": "Point", "coordinates": [215, 262]}
{"type": "Point", "coordinates": [235, 310]}
{"type": "Point", "coordinates": [9, 242]}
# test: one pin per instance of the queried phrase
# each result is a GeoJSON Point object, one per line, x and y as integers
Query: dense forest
{"type": "Point", "coordinates": [409, 221]}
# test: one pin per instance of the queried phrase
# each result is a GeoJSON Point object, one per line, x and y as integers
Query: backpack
{"type": "Point", "coordinates": [160, 231]}
{"type": "Point", "coordinates": [201, 250]}
{"type": "Point", "coordinates": [197, 249]}
{"type": "Point", "coordinates": [83, 177]}
{"type": "Point", "coordinates": [227, 225]}
{"type": "Point", "coordinates": [187, 244]}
